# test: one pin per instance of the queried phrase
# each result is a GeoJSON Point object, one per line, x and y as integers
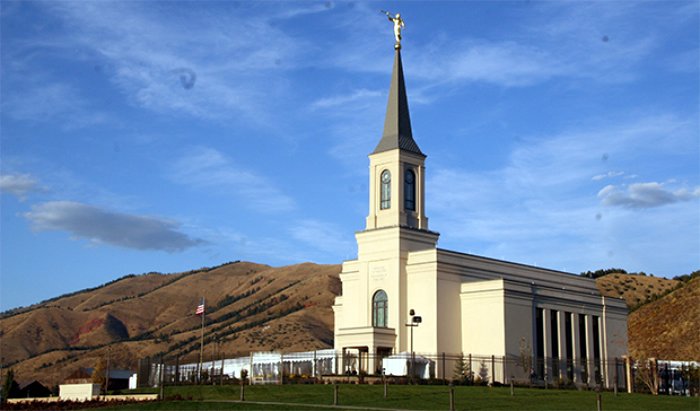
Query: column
{"type": "Point", "coordinates": [561, 319]}
{"type": "Point", "coordinates": [575, 347]}
{"type": "Point", "coordinates": [546, 324]}
{"type": "Point", "coordinates": [590, 354]}
{"type": "Point", "coordinates": [373, 357]}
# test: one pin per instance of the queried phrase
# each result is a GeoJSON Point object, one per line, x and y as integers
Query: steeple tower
{"type": "Point", "coordinates": [397, 124]}
{"type": "Point", "coordinates": [397, 172]}
{"type": "Point", "coordinates": [377, 285]}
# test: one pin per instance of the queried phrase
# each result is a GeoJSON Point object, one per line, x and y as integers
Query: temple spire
{"type": "Point", "coordinates": [397, 125]}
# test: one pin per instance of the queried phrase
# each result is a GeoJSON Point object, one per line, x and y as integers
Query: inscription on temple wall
{"type": "Point", "coordinates": [377, 272]}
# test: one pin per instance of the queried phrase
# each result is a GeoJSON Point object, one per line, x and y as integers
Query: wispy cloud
{"type": "Point", "coordinates": [103, 226]}
{"type": "Point", "coordinates": [19, 184]}
{"type": "Point", "coordinates": [360, 96]}
{"type": "Point", "coordinates": [228, 54]}
{"type": "Point", "coordinates": [192, 60]}
{"type": "Point", "coordinates": [41, 99]}
{"type": "Point", "coordinates": [602, 42]}
{"type": "Point", "coordinates": [208, 168]}
{"type": "Point", "coordinates": [321, 235]}
{"type": "Point", "coordinates": [609, 174]}
{"type": "Point", "coordinates": [507, 64]}
{"type": "Point", "coordinates": [645, 195]}
{"type": "Point", "coordinates": [545, 191]}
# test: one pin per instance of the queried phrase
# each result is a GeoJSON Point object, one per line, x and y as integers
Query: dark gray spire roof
{"type": "Point", "coordinates": [397, 125]}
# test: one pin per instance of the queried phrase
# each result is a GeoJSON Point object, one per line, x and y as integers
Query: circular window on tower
{"type": "Point", "coordinates": [386, 176]}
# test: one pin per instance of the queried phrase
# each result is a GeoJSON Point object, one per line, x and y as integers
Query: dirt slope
{"type": "Point", "coordinates": [250, 307]}
{"type": "Point", "coordinates": [668, 328]}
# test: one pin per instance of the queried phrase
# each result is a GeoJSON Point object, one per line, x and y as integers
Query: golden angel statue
{"type": "Point", "coordinates": [398, 26]}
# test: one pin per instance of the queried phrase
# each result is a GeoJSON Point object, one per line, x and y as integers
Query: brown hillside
{"type": "Point", "coordinates": [668, 328]}
{"type": "Point", "coordinates": [37, 331]}
{"type": "Point", "coordinates": [255, 307]}
{"type": "Point", "coordinates": [250, 307]}
{"type": "Point", "coordinates": [633, 288]}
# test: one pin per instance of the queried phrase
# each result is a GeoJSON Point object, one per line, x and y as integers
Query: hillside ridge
{"type": "Point", "coordinates": [256, 307]}
{"type": "Point", "coordinates": [153, 314]}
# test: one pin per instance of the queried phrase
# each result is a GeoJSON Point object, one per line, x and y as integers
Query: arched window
{"type": "Point", "coordinates": [409, 186]}
{"type": "Point", "coordinates": [380, 309]}
{"type": "Point", "coordinates": [386, 190]}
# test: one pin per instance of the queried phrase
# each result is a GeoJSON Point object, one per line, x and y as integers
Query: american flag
{"type": "Point", "coordinates": [200, 309]}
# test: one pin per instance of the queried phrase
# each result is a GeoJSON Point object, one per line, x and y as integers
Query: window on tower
{"type": "Point", "coordinates": [380, 309]}
{"type": "Point", "coordinates": [386, 190]}
{"type": "Point", "coordinates": [410, 191]}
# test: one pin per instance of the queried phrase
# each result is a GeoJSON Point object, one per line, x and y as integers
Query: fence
{"type": "Point", "coordinates": [278, 368]}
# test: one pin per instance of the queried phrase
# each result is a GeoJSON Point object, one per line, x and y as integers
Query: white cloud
{"type": "Point", "coordinates": [103, 226]}
{"type": "Point", "coordinates": [19, 184]}
{"type": "Point", "coordinates": [644, 195]}
{"type": "Point", "coordinates": [208, 168]}
{"type": "Point", "coordinates": [609, 174]}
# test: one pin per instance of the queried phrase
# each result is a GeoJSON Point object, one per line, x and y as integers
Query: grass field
{"type": "Point", "coordinates": [405, 397]}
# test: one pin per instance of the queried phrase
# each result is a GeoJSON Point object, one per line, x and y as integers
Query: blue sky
{"type": "Point", "coordinates": [169, 136]}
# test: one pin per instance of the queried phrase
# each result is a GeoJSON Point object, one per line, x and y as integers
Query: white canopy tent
{"type": "Point", "coordinates": [400, 364]}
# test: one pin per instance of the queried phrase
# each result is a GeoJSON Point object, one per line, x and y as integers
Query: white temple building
{"type": "Point", "coordinates": [468, 304]}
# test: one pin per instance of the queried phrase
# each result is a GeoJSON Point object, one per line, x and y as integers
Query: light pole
{"type": "Point", "coordinates": [213, 358]}
{"type": "Point", "coordinates": [415, 321]}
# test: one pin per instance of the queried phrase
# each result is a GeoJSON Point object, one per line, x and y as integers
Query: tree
{"type": "Point", "coordinates": [483, 378]}
{"type": "Point", "coordinates": [525, 357]}
{"type": "Point", "coordinates": [647, 374]}
{"type": "Point", "coordinates": [98, 374]}
{"type": "Point", "coordinates": [9, 386]}
{"type": "Point", "coordinates": [462, 373]}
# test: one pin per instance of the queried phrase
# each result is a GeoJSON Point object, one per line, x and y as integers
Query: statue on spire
{"type": "Point", "coordinates": [398, 26]}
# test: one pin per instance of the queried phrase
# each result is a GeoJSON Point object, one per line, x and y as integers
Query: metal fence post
{"type": "Point", "coordinates": [281, 376]}
{"type": "Point", "coordinates": [443, 367]}
{"type": "Point", "coordinates": [177, 370]}
{"type": "Point", "coordinates": [335, 394]}
{"type": "Point", "coordinates": [452, 399]}
{"type": "Point", "coordinates": [617, 377]}
{"type": "Point", "coordinates": [162, 379]}
{"type": "Point", "coordinates": [504, 369]}
{"type": "Point", "coordinates": [471, 370]}
{"type": "Point", "coordinates": [493, 369]}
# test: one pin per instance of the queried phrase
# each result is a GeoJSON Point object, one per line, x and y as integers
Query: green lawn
{"type": "Point", "coordinates": [406, 397]}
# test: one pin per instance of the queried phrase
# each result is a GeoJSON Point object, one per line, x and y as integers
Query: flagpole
{"type": "Point", "coordinates": [201, 344]}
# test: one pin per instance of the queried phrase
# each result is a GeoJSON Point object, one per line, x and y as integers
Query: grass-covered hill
{"type": "Point", "coordinates": [250, 307]}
